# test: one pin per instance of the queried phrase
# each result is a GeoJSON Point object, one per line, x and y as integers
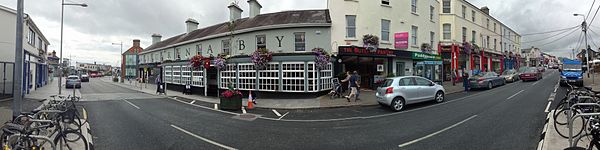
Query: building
{"type": "Point", "coordinates": [533, 57]}
{"type": "Point", "coordinates": [35, 47]}
{"type": "Point", "coordinates": [474, 40]}
{"type": "Point", "coordinates": [93, 68]}
{"type": "Point", "coordinates": [129, 61]}
{"type": "Point", "coordinates": [53, 62]}
{"type": "Point", "coordinates": [407, 31]}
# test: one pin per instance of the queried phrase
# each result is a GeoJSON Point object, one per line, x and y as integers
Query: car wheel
{"type": "Point", "coordinates": [490, 86]}
{"type": "Point", "coordinates": [397, 104]}
{"type": "Point", "coordinates": [439, 97]}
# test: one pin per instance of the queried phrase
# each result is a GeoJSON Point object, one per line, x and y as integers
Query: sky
{"type": "Point", "coordinates": [89, 33]}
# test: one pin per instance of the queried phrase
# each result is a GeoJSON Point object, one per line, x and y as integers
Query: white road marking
{"type": "Point", "coordinates": [515, 94]}
{"type": "Point", "coordinates": [231, 113]}
{"type": "Point", "coordinates": [243, 110]}
{"type": "Point", "coordinates": [283, 115]}
{"type": "Point", "coordinates": [548, 106]}
{"type": "Point", "coordinates": [193, 102]}
{"type": "Point", "coordinates": [216, 107]}
{"type": "Point", "coordinates": [132, 104]}
{"type": "Point", "coordinates": [202, 138]}
{"type": "Point", "coordinates": [276, 113]}
{"type": "Point", "coordinates": [535, 82]}
{"type": "Point", "coordinates": [435, 133]}
{"type": "Point", "coordinates": [556, 88]}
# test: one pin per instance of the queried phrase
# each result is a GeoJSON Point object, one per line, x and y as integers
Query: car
{"type": "Point", "coordinates": [93, 75]}
{"type": "Point", "coordinates": [530, 74]}
{"type": "Point", "coordinates": [73, 81]}
{"type": "Point", "coordinates": [85, 78]}
{"type": "Point", "coordinates": [510, 75]}
{"type": "Point", "coordinates": [541, 69]}
{"type": "Point", "coordinates": [486, 80]}
{"type": "Point", "coordinates": [397, 92]}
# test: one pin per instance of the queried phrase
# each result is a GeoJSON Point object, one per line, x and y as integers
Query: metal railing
{"type": "Point", "coordinates": [572, 118]}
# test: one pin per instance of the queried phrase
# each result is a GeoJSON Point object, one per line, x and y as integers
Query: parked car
{"type": "Point", "coordinates": [94, 75]}
{"type": "Point", "coordinates": [530, 74]}
{"type": "Point", "coordinates": [398, 91]}
{"type": "Point", "coordinates": [85, 78]}
{"type": "Point", "coordinates": [541, 69]}
{"type": "Point", "coordinates": [487, 80]}
{"type": "Point", "coordinates": [510, 75]}
{"type": "Point", "coordinates": [73, 82]}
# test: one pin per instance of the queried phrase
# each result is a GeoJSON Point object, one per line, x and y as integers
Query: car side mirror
{"type": "Point", "coordinates": [431, 84]}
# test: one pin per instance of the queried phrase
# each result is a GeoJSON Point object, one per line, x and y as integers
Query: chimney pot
{"type": "Point", "coordinates": [136, 42]}
{"type": "Point", "coordinates": [485, 10]}
{"type": "Point", "coordinates": [254, 8]}
{"type": "Point", "coordinates": [156, 38]}
{"type": "Point", "coordinates": [235, 12]}
{"type": "Point", "coordinates": [191, 25]}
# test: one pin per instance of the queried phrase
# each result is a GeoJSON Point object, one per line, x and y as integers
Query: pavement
{"type": "Point", "coordinates": [512, 116]}
{"type": "Point", "coordinates": [366, 97]}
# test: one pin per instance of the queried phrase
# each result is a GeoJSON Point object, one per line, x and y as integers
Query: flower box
{"type": "Point", "coordinates": [231, 103]}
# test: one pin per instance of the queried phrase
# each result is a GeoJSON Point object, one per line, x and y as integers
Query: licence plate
{"type": "Point", "coordinates": [571, 80]}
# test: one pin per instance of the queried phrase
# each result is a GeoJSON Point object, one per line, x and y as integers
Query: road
{"type": "Point", "coordinates": [506, 117]}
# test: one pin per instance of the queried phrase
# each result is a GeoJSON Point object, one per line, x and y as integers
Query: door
{"type": "Point", "coordinates": [426, 91]}
{"type": "Point", "coordinates": [400, 69]}
{"type": "Point", "coordinates": [408, 89]}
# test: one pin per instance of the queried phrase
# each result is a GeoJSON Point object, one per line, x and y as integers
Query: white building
{"type": "Point", "coordinates": [35, 54]}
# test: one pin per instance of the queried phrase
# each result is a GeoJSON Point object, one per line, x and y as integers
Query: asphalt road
{"type": "Point", "coordinates": [506, 117]}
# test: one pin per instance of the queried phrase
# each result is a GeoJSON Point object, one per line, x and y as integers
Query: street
{"type": "Point", "coordinates": [506, 117]}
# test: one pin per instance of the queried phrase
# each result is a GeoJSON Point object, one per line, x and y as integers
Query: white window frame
{"type": "Point", "coordinates": [464, 11]}
{"type": "Point", "coordinates": [446, 5]}
{"type": "Point", "coordinates": [226, 46]}
{"type": "Point", "coordinates": [385, 33]}
{"type": "Point", "coordinates": [447, 32]}
{"type": "Point", "coordinates": [431, 13]}
{"type": "Point", "coordinates": [350, 28]}
{"type": "Point", "coordinates": [413, 6]}
{"type": "Point", "coordinates": [414, 35]}
{"type": "Point", "coordinates": [299, 42]}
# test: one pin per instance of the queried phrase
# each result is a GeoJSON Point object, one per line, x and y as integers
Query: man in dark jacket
{"type": "Point", "coordinates": [465, 78]}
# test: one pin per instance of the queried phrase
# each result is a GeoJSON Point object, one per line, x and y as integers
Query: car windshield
{"type": "Point", "coordinates": [533, 70]}
{"type": "Point", "coordinates": [507, 72]}
{"type": "Point", "coordinates": [571, 67]}
{"type": "Point", "coordinates": [73, 78]}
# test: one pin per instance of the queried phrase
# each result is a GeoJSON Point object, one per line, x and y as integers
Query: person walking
{"type": "Point", "coordinates": [348, 75]}
{"type": "Point", "coordinates": [358, 83]}
{"type": "Point", "coordinates": [353, 88]}
{"type": "Point", "coordinates": [465, 78]}
{"type": "Point", "coordinates": [158, 85]}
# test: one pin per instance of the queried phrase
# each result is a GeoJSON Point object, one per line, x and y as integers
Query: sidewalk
{"type": "Point", "coordinates": [367, 97]}
{"type": "Point", "coordinates": [593, 80]}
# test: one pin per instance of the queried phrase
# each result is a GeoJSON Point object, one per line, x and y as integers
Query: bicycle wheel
{"type": "Point", "coordinates": [563, 130]}
{"type": "Point", "coordinates": [65, 140]}
{"type": "Point", "coordinates": [559, 107]}
{"type": "Point", "coordinates": [586, 141]}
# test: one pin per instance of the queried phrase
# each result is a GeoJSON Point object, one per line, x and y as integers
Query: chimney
{"type": "Point", "coordinates": [136, 43]}
{"type": "Point", "coordinates": [156, 38]}
{"type": "Point", "coordinates": [254, 8]}
{"type": "Point", "coordinates": [235, 12]}
{"type": "Point", "coordinates": [485, 10]}
{"type": "Point", "coordinates": [191, 25]}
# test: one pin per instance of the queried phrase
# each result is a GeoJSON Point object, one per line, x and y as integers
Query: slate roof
{"type": "Point", "coordinates": [278, 18]}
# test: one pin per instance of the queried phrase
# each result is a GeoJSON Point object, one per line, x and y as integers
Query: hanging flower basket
{"type": "Point", "coordinates": [261, 58]}
{"type": "Point", "coordinates": [467, 47]}
{"type": "Point", "coordinates": [322, 59]}
{"type": "Point", "coordinates": [197, 61]}
{"type": "Point", "coordinates": [221, 62]}
{"type": "Point", "coordinates": [370, 42]}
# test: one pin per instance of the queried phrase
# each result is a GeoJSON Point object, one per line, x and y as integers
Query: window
{"type": "Point", "coordinates": [300, 41]}
{"type": "Point", "coordinates": [446, 6]}
{"type": "Point", "coordinates": [431, 38]}
{"type": "Point", "coordinates": [487, 42]}
{"type": "Point", "coordinates": [473, 36]}
{"type": "Point", "coordinates": [413, 4]}
{"type": "Point", "coordinates": [407, 82]}
{"type": "Point", "coordinates": [385, 30]}
{"type": "Point", "coordinates": [226, 46]}
{"type": "Point", "coordinates": [414, 32]}
{"type": "Point", "coordinates": [495, 44]}
{"type": "Point", "coordinates": [261, 41]}
{"type": "Point", "coordinates": [494, 27]}
{"type": "Point", "coordinates": [422, 82]}
{"type": "Point", "coordinates": [385, 2]}
{"type": "Point", "coordinates": [473, 16]}
{"type": "Point", "coordinates": [431, 12]}
{"type": "Point", "coordinates": [31, 39]}
{"type": "Point", "coordinates": [487, 23]}
{"type": "Point", "coordinates": [464, 11]}
{"type": "Point", "coordinates": [177, 55]}
{"type": "Point", "coordinates": [40, 43]}
{"type": "Point", "coordinates": [350, 26]}
{"type": "Point", "coordinates": [464, 34]}
{"type": "Point", "coordinates": [447, 31]}
{"type": "Point", "coordinates": [199, 49]}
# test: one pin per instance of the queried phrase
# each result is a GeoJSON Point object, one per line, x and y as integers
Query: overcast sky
{"type": "Point", "coordinates": [89, 32]}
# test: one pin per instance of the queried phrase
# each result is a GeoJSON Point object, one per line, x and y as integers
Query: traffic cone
{"type": "Point", "coordinates": [250, 104]}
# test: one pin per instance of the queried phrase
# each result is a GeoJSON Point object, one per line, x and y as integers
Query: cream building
{"type": "Point", "coordinates": [490, 42]}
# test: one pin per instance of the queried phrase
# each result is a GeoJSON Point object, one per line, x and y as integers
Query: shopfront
{"type": "Point", "coordinates": [373, 66]}
{"type": "Point", "coordinates": [429, 66]}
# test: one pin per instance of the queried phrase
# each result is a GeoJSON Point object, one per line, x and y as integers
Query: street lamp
{"type": "Point", "coordinates": [62, 12]}
{"type": "Point", "coordinates": [589, 56]}
{"type": "Point", "coordinates": [121, 58]}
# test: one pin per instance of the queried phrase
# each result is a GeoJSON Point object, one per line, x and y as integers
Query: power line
{"type": "Point", "coordinates": [593, 42]}
{"type": "Point", "coordinates": [528, 34]}
{"type": "Point", "coordinates": [554, 35]}
{"type": "Point", "coordinates": [579, 40]}
{"type": "Point", "coordinates": [591, 7]}
{"type": "Point", "coordinates": [560, 38]}
{"type": "Point", "coordinates": [594, 16]}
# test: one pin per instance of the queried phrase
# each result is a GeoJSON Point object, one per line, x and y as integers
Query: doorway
{"type": "Point", "coordinates": [400, 66]}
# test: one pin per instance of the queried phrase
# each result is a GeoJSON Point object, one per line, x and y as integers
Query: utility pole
{"type": "Point", "coordinates": [18, 71]}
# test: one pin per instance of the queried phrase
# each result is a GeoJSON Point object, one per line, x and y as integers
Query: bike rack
{"type": "Point", "coordinates": [572, 118]}
{"type": "Point", "coordinates": [37, 137]}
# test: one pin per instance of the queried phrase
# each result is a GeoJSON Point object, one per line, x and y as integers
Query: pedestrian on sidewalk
{"type": "Point", "coordinates": [348, 75]}
{"type": "Point", "coordinates": [465, 77]}
{"type": "Point", "coordinates": [358, 83]}
{"type": "Point", "coordinates": [353, 87]}
{"type": "Point", "coordinates": [158, 85]}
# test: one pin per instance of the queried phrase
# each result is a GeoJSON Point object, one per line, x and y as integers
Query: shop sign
{"type": "Point", "coordinates": [430, 63]}
{"type": "Point", "coordinates": [380, 68]}
{"type": "Point", "coordinates": [364, 51]}
{"type": "Point", "coordinates": [401, 40]}
{"type": "Point", "coordinates": [425, 56]}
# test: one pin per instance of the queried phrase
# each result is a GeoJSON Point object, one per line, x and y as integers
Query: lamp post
{"type": "Point", "coordinates": [589, 56]}
{"type": "Point", "coordinates": [62, 12]}
{"type": "Point", "coordinates": [121, 57]}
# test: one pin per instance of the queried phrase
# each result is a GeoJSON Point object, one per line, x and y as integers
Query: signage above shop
{"type": "Point", "coordinates": [425, 56]}
{"type": "Point", "coordinates": [401, 40]}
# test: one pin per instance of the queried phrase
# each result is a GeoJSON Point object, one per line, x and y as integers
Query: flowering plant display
{"type": "Point", "coordinates": [261, 57]}
{"type": "Point", "coordinates": [322, 59]}
{"type": "Point", "coordinates": [231, 92]}
{"type": "Point", "coordinates": [220, 62]}
{"type": "Point", "coordinates": [370, 40]}
{"type": "Point", "coordinates": [196, 61]}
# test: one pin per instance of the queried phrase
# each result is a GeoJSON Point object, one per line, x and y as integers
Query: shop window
{"type": "Point", "coordinates": [168, 74]}
{"type": "Point", "coordinates": [226, 46]}
{"type": "Point", "coordinates": [299, 41]}
{"type": "Point", "coordinates": [446, 6]}
{"type": "Point", "coordinates": [247, 76]}
{"type": "Point", "coordinates": [186, 75]}
{"type": "Point", "coordinates": [447, 31]}
{"type": "Point", "coordinates": [261, 42]}
{"type": "Point", "coordinates": [385, 30]}
{"type": "Point", "coordinates": [176, 75]}
{"type": "Point", "coordinates": [198, 77]}
{"type": "Point", "coordinates": [350, 26]}
{"type": "Point", "coordinates": [326, 75]}
{"type": "Point", "coordinates": [268, 78]}
{"type": "Point", "coordinates": [293, 76]}
{"type": "Point", "coordinates": [227, 75]}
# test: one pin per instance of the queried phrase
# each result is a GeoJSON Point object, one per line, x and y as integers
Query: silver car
{"type": "Point", "coordinates": [510, 75]}
{"type": "Point", "coordinates": [398, 91]}
{"type": "Point", "coordinates": [73, 81]}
